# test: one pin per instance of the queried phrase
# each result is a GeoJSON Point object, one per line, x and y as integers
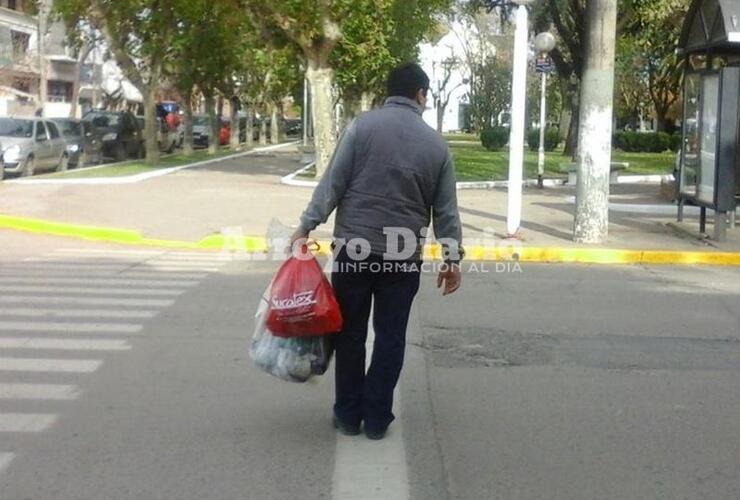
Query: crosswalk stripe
{"type": "Point", "coordinates": [183, 263]}
{"type": "Point", "coordinates": [89, 253]}
{"type": "Point", "coordinates": [33, 272]}
{"type": "Point", "coordinates": [63, 344]}
{"type": "Point", "coordinates": [178, 269]}
{"type": "Point", "coordinates": [76, 313]}
{"type": "Point", "coordinates": [107, 251]}
{"type": "Point", "coordinates": [64, 267]}
{"type": "Point", "coordinates": [26, 422]}
{"type": "Point", "coordinates": [138, 267]}
{"type": "Point", "coordinates": [39, 261]}
{"type": "Point", "coordinates": [98, 281]}
{"type": "Point", "coordinates": [23, 326]}
{"type": "Point", "coordinates": [5, 459]}
{"type": "Point", "coordinates": [89, 301]}
{"type": "Point", "coordinates": [90, 290]}
{"type": "Point", "coordinates": [49, 365]}
{"type": "Point", "coordinates": [56, 392]}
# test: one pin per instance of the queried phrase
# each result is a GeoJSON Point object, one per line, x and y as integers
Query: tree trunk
{"type": "Point", "coordinates": [250, 126]}
{"type": "Point", "coordinates": [321, 81]}
{"type": "Point", "coordinates": [440, 116]}
{"type": "Point", "coordinates": [274, 124]}
{"type": "Point", "coordinates": [234, 139]}
{"type": "Point", "coordinates": [215, 123]}
{"type": "Point", "coordinates": [571, 140]}
{"type": "Point", "coordinates": [151, 126]}
{"type": "Point", "coordinates": [661, 121]}
{"type": "Point", "coordinates": [263, 130]}
{"type": "Point", "coordinates": [595, 125]}
{"type": "Point", "coordinates": [187, 146]}
{"type": "Point", "coordinates": [366, 101]}
{"type": "Point", "coordinates": [44, 9]}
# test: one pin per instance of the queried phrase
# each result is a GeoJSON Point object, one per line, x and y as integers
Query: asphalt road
{"type": "Point", "coordinates": [126, 376]}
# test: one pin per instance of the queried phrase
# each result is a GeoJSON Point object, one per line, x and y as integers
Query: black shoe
{"type": "Point", "coordinates": [347, 430]}
{"type": "Point", "coordinates": [375, 435]}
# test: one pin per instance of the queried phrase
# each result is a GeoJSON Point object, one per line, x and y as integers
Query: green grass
{"type": "Point", "coordinates": [463, 137]}
{"type": "Point", "coordinates": [137, 166]}
{"type": "Point", "coordinates": [474, 163]}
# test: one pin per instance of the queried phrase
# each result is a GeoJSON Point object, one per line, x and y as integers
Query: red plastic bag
{"type": "Point", "coordinates": [302, 301]}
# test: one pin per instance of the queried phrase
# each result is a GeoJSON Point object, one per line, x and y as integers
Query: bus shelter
{"type": "Point", "coordinates": [709, 173]}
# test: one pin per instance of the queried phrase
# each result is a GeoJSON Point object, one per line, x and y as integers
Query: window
{"type": "Point", "coordinates": [53, 130]}
{"type": "Point", "coordinates": [21, 43]}
{"type": "Point", "coordinates": [12, 4]}
{"type": "Point", "coordinates": [40, 131]}
{"type": "Point", "coordinates": [60, 91]}
{"type": "Point", "coordinates": [14, 127]}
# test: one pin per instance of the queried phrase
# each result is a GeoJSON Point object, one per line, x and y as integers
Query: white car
{"type": "Point", "coordinates": [31, 144]}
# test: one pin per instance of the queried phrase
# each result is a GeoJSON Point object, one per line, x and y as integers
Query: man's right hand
{"type": "Point", "coordinates": [299, 235]}
{"type": "Point", "coordinates": [451, 277]}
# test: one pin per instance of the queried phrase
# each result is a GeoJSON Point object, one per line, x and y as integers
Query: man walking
{"type": "Point", "coordinates": [391, 175]}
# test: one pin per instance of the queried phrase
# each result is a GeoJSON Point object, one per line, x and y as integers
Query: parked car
{"type": "Point", "coordinates": [293, 127]}
{"type": "Point", "coordinates": [31, 144]}
{"type": "Point", "coordinates": [201, 131]}
{"type": "Point", "coordinates": [167, 138]}
{"type": "Point", "coordinates": [120, 132]}
{"type": "Point", "coordinates": [256, 127]}
{"type": "Point", "coordinates": [84, 145]}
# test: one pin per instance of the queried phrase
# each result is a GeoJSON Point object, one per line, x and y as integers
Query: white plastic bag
{"type": "Point", "coordinates": [294, 359]}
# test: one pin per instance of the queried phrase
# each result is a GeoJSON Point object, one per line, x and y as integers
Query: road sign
{"type": "Point", "coordinates": [544, 65]}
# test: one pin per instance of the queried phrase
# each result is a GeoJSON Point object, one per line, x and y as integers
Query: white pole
{"type": "Point", "coordinates": [516, 139]}
{"type": "Point", "coordinates": [543, 124]}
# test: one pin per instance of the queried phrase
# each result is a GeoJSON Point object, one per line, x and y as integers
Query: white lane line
{"type": "Point", "coordinates": [63, 344]}
{"type": "Point", "coordinates": [5, 459]}
{"type": "Point", "coordinates": [88, 290]}
{"type": "Point", "coordinates": [56, 392]}
{"type": "Point", "coordinates": [26, 422]}
{"type": "Point", "coordinates": [76, 313]}
{"type": "Point", "coordinates": [98, 281]}
{"type": "Point", "coordinates": [33, 272]}
{"type": "Point", "coordinates": [29, 326]}
{"type": "Point", "coordinates": [372, 470]}
{"type": "Point", "coordinates": [86, 301]}
{"type": "Point", "coordinates": [49, 365]}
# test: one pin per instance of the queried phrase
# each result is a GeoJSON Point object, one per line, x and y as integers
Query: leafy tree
{"type": "Point", "coordinates": [656, 30]}
{"type": "Point", "coordinates": [139, 34]}
{"type": "Point", "coordinates": [318, 27]}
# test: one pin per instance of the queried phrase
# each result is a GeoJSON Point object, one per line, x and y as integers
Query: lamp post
{"type": "Point", "coordinates": [518, 103]}
{"type": "Point", "coordinates": [543, 44]}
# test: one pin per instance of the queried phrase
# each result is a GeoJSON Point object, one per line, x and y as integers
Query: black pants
{"type": "Point", "coordinates": [362, 396]}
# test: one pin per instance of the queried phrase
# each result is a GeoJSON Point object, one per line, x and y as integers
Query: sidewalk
{"type": "Point", "coordinates": [245, 195]}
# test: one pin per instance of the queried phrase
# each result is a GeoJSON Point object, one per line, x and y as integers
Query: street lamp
{"type": "Point", "coordinates": [543, 44]}
{"type": "Point", "coordinates": [518, 103]}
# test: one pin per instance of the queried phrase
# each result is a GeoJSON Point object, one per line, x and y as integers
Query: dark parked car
{"type": "Point", "coordinates": [293, 127]}
{"type": "Point", "coordinates": [120, 132]}
{"type": "Point", "coordinates": [84, 145]}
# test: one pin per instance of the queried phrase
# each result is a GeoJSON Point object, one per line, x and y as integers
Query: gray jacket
{"type": "Point", "coordinates": [390, 169]}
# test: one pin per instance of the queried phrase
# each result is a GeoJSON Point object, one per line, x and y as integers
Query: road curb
{"type": "Point", "coordinates": [144, 176]}
{"type": "Point", "coordinates": [257, 245]}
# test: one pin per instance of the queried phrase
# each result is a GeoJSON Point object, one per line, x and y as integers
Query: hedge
{"type": "Point", "coordinates": [495, 138]}
{"type": "Point", "coordinates": [649, 142]}
{"type": "Point", "coordinates": [552, 139]}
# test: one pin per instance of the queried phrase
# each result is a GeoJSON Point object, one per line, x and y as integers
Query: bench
{"type": "Point", "coordinates": [615, 168]}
